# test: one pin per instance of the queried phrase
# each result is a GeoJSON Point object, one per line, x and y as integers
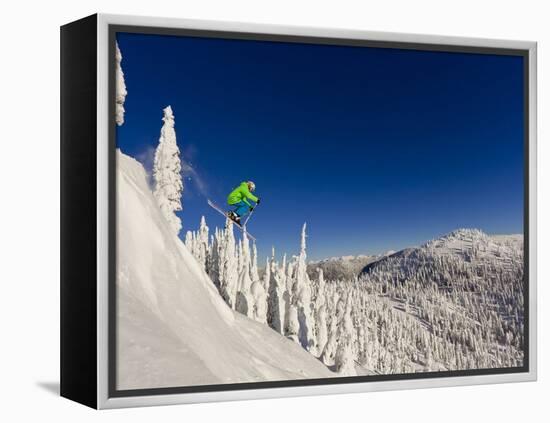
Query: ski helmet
{"type": "Point", "coordinates": [251, 186]}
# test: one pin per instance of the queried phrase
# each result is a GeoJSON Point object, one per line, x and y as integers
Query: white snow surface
{"type": "Point", "coordinates": [173, 327]}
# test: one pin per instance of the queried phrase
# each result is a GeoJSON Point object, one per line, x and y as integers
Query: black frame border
{"type": "Point", "coordinates": [78, 211]}
{"type": "Point", "coordinates": [113, 29]}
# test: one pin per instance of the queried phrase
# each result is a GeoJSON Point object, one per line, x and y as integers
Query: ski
{"type": "Point", "coordinates": [224, 213]}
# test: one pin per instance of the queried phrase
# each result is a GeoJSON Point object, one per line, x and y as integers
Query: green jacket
{"type": "Point", "coordinates": [241, 193]}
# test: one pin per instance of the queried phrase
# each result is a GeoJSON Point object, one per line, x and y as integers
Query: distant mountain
{"type": "Point", "coordinates": [470, 246]}
{"type": "Point", "coordinates": [336, 268]}
{"type": "Point", "coordinates": [345, 267]}
{"type": "Point", "coordinates": [466, 290]}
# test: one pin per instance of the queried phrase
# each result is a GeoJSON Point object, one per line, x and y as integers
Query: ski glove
{"type": "Point", "coordinates": [250, 208]}
{"type": "Point", "coordinates": [258, 202]}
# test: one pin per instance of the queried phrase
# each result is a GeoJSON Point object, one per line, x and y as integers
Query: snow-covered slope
{"type": "Point", "coordinates": [462, 294]}
{"type": "Point", "coordinates": [173, 327]}
{"type": "Point", "coordinates": [471, 246]}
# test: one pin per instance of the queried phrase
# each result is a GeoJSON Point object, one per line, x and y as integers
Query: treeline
{"type": "Point", "coordinates": [455, 303]}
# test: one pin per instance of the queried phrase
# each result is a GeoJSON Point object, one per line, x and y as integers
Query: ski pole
{"type": "Point", "coordinates": [250, 215]}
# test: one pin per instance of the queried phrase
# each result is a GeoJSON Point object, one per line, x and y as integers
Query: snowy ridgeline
{"type": "Point", "coordinates": [346, 267]}
{"type": "Point", "coordinates": [455, 303]}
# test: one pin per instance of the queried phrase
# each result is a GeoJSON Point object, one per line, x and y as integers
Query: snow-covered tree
{"type": "Point", "coordinates": [267, 275]}
{"type": "Point", "coordinates": [120, 89]}
{"type": "Point", "coordinates": [228, 265]}
{"type": "Point", "coordinates": [329, 352]}
{"type": "Point", "coordinates": [288, 301]}
{"type": "Point", "coordinates": [167, 172]}
{"type": "Point", "coordinates": [254, 264]}
{"type": "Point", "coordinates": [213, 261]}
{"type": "Point", "coordinates": [203, 247]}
{"type": "Point", "coordinates": [344, 359]}
{"type": "Point", "coordinates": [302, 293]}
{"type": "Point", "coordinates": [245, 300]}
{"type": "Point", "coordinates": [259, 297]}
{"type": "Point", "coordinates": [321, 333]}
{"type": "Point", "coordinates": [275, 307]}
{"type": "Point", "coordinates": [292, 324]}
{"type": "Point", "coordinates": [190, 242]}
{"type": "Point", "coordinates": [343, 362]}
{"type": "Point", "coordinates": [198, 244]}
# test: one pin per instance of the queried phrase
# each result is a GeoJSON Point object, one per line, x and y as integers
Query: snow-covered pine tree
{"type": "Point", "coordinates": [254, 264]}
{"type": "Point", "coordinates": [302, 291]}
{"type": "Point", "coordinates": [228, 265]}
{"type": "Point", "coordinates": [292, 324]}
{"type": "Point", "coordinates": [261, 296]}
{"type": "Point", "coordinates": [259, 300]}
{"type": "Point", "coordinates": [212, 263]}
{"type": "Point", "coordinates": [289, 302]}
{"type": "Point", "coordinates": [344, 363]}
{"type": "Point", "coordinates": [120, 89]}
{"type": "Point", "coordinates": [167, 172]}
{"type": "Point", "coordinates": [276, 305]}
{"type": "Point", "coordinates": [245, 302]}
{"type": "Point", "coordinates": [344, 360]}
{"type": "Point", "coordinates": [190, 242]}
{"type": "Point", "coordinates": [321, 333]}
{"type": "Point", "coordinates": [203, 247]}
{"type": "Point", "coordinates": [267, 275]}
{"type": "Point", "coordinates": [240, 255]}
{"type": "Point", "coordinates": [329, 352]}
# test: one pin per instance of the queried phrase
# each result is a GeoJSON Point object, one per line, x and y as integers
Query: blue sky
{"type": "Point", "coordinates": [375, 149]}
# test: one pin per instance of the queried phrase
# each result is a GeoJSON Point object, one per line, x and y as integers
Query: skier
{"type": "Point", "coordinates": [238, 198]}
